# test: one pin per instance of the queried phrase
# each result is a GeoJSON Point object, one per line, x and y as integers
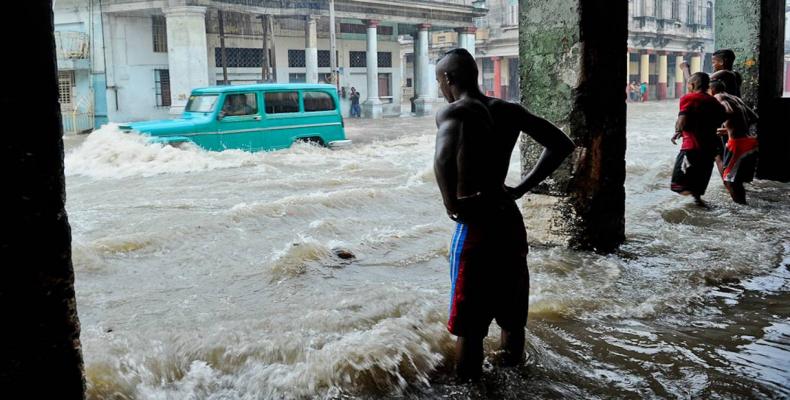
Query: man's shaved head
{"type": "Point", "coordinates": [727, 56]}
{"type": "Point", "coordinates": [717, 86]}
{"type": "Point", "coordinates": [460, 68]}
{"type": "Point", "coordinates": [699, 81]}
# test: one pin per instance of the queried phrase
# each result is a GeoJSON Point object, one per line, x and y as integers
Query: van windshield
{"type": "Point", "coordinates": [201, 103]}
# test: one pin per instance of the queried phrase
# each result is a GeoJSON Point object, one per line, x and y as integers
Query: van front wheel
{"type": "Point", "coordinates": [312, 140]}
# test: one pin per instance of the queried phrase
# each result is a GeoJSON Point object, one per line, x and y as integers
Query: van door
{"type": "Point", "coordinates": [322, 116]}
{"type": "Point", "coordinates": [282, 117]}
{"type": "Point", "coordinates": [239, 122]}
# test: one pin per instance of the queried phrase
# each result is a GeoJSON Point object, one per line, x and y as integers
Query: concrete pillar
{"type": "Point", "coordinates": [371, 107]}
{"type": "Point", "coordinates": [466, 38]}
{"type": "Point", "coordinates": [628, 67]}
{"type": "Point", "coordinates": [41, 356]}
{"type": "Point", "coordinates": [696, 63]}
{"type": "Point", "coordinates": [680, 84]}
{"type": "Point", "coordinates": [311, 50]}
{"type": "Point", "coordinates": [575, 80]}
{"type": "Point", "coordinates": [422, 71]}
{"type": "Point", "coordinates": [186, 53]}
{"type": "Point", "coordinates": [497, 76]}
{"type": "Point", "coordinates": [787, 77]}
{"type": "Point", "coordinates": [754, 29]}
{"type": "Point", "coordinates": [461, 39]}
{"type": "Point", "coordinates": [662, 76]}
{"type": "Point", "coordinates": [644, 71]}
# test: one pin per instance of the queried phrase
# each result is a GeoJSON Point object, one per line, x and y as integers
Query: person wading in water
{"type": "Point", "coordinates": [488, 258]}
{"type": "Point", "coordinates": [699, 118]}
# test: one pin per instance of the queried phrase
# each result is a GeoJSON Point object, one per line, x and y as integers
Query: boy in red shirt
{"type": "Point", "coordinates": [699, 117]}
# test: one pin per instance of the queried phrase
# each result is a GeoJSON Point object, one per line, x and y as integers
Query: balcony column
{"type": "Point", "coordinates": [422, 71]}
{"type": "Point", "coordinates": [787, 77]}
{"type": "Point", "coordinates": [696, 62]}
{"type": "Point", "coordinates": [628, 67]}
{"type": "Point", "coordinates": [680, 86]}
{"type": "Point", "coordinates": [311, 50]}
{"type": "Point", "coordinates": [644, 71]}
{"type": "Point", "coordinates": [371, 108]}
{"type": "Point", "coordinates": [662, 75]}
{"type": "Point", "coordinates": [466, 38]}
{"type": "Point", "coordinates": [497, 76]}
{"type": "Point", "coordinates": [186, 53]}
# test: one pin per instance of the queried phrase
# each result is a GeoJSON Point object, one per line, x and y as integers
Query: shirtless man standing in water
{"type": "Point", "coordinates": [488, 257]}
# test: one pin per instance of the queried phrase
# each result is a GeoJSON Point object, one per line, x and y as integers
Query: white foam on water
{"type": "Point", "coordinates": [380, 347]}
{"type": "Point", "coordinates": [110, 153]}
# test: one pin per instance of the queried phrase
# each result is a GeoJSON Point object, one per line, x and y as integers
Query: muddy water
{"type": "Point", "coordinates": [212, 276]}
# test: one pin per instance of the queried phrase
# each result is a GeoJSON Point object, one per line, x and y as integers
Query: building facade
{"type": "Point", "coordinates": [81, 78]}
{"type": "Point", "coordinates": [146, 56]}
{"type": "Point", "coordinates": [662, 34]}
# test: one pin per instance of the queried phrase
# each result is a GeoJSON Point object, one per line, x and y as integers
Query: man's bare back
{"type": "Point", "coordinates": [489, 275]}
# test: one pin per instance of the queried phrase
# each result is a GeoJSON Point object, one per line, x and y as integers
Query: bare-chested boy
{"type": "Point", "coordinates": [740, 150]}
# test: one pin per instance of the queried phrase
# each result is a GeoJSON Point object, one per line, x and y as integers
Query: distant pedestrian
{"type": "Point", "coordinates": [635, 91]}
{"type": "Point", "coordinates": [643, 91]}
{"type": "Point", "coordinates": [698, 120]}
{"type": "Point", "coordinates": [354, 97]}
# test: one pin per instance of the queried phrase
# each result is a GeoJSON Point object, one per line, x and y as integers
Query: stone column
{"type": "Point", "coordinates": [466, 38]}
{"type": "Point", "coordinates": [41, 355]}
{"type": "Point", "coordinates": [371, 108]}
{"type": "Point", "coordinates": [422, 71]}
{"type": "Point", "coordinates": [311, 50]}
{"type": "Point", "coordinates": [662, 75]}
{"type": "Point", "coordinates": [575, 80]}
{"type": "Point", "coordinates": [754, 29]}
{"type": "Point", "coordinates": [787, 77]}
{"type": "Point", "coordinates": [461, 39]}
{"type": "Point", "coordinates": [628, 67]}
{"type": "Point", "coordinates": [680, 84]}
{"type": "Point", "coordinates": [186, 53]}
{"type": "Point", "coordinates": [696, 63]}
{"type": "Point", "coordinates": [497, 76]}
{"type": "Point", "coordinates": [644, 70]}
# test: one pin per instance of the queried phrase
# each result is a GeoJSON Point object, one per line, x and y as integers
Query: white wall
{"type": "Point", "coordinates": [131, 64]}
{"type": "Point", "coordinates": [349, 77]}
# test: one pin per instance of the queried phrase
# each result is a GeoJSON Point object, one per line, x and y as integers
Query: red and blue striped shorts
{"type": "Point", "coordinates": [488, 275]}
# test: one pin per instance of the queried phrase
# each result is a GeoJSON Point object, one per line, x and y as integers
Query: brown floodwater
{"type": "Point", "coordinates": [212, 276]}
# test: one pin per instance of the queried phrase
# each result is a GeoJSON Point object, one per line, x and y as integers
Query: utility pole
{"type": "Point", "coordinates": [222, 48]}
{"type": "Point", "coordinates": [333, 45]}
{"type": "Point", "coordinates": [265, 55]}
{"type": "Point", "coordinates": [274, 47]}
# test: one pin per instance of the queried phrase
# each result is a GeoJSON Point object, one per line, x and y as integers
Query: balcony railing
{"type": "Point", "coordinates": [72, 45]}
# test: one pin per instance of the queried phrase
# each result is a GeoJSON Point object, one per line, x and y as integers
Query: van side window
{"type": "Point", "coordinates": [240, 104]}
{"type": "Point", "coordinates": [318, 101]}
{"type": "Point", "coordinates": [281, 102]}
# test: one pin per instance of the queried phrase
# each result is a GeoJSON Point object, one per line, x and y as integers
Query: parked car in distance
{"type": "Point", "coordinates": [258, 117]}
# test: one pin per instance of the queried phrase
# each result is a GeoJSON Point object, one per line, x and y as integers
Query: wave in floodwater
{"type": "Point", "coordinates": [311, 273]}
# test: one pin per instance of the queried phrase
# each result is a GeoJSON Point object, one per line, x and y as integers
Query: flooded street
{"type": "Point", "coordinates": [213, 276]}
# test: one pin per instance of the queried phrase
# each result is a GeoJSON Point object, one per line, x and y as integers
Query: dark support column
{"type": "Point", "coordinates": [40, 347]}
{"type": "Point", "coordinates": [754, 29]}
{"type": "Point", "coordinates": [572, 74]}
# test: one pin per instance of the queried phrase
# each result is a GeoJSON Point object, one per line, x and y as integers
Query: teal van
{"type": "Point", "coordinates": [253, 118]}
